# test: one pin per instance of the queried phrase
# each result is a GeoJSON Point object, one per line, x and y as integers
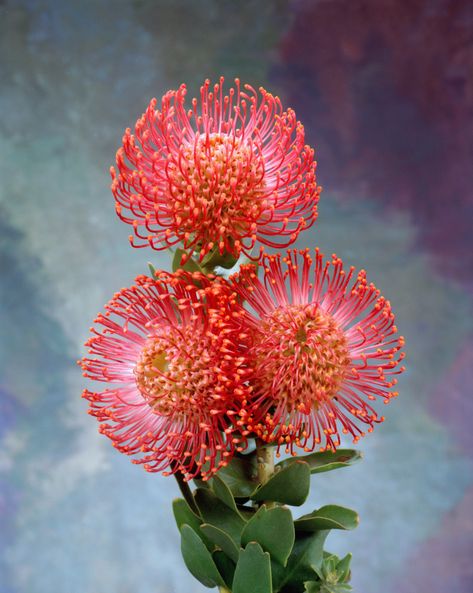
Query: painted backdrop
{"type": "Point", "coordinates": [385, 90]}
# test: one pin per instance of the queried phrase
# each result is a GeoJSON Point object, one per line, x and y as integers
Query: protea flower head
{"type": "Point", "coordinates": [218, 176]}
{"type": "Point", "coordinates": [325, 347]}
{"type": "Point", "coordinates": [171, 348]}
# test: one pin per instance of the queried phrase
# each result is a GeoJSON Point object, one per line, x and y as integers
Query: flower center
{"type": "Point", "coordinates": [302, 357]}
{"type": "Point", "coordinates": [218, 182]}
{"type": "Point", "coordinates": [173, 374]}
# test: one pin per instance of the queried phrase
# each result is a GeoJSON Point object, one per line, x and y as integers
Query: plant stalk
{"type": "Point", "coordinates": [186, 491]}
{"type": "Point", "coordinates": [264, 464]}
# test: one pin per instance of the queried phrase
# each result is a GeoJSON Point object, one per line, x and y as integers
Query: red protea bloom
{"type": "Point", "coordinates": [231, 170]}
{"type": "Point", "coordinates": [324, 348]}
{"type": "Point", "coordinates": [172, 348]}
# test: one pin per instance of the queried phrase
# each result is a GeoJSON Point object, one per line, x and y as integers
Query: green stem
{"type": "Point", "coordinates": [264, 465]}
{"type": "Point", "coordinates": [186, 491]}
{"type": "Point", "coordinates": [224, 590]}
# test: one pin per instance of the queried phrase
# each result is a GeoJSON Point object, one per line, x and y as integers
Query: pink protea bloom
{"type": "Point", "coordinates": [324, 348]}
{"type": "Point", "coordinates": [231, 170]}
{"type": "Point", "coordinates": [172, 350]}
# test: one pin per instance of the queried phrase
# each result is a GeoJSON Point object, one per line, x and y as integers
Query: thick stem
{"type": "Point", "coordinates": [264, 464]}
{"type": "Point", "coordinates": [224, 590]}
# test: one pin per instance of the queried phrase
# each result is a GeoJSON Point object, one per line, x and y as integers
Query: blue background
{"type": "Point", "coordinates": [385, 91]}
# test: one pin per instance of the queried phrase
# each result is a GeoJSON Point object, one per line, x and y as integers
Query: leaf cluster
{"type": "Point", "coordinates": [240, 535]}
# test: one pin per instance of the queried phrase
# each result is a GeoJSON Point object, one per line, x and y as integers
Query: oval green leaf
{"type": "Point", "coordinates": [253, 571]}
{"type": "Point", "coordinates": [273, 529]}
{"type": "Point", "coordinates": [304, 562]}
{"type": "Point", "coordinates": [290, 485]}
{"type": "Point", "coordinates": [223, 492]}
{"type": "Point", "coordinates": [221, 540]}
{"type": "Point", "coordinates": [238, 476]}
{"type": "Point", "coordinates": [183, 514]}
{"type": "Point", "coordinates": [217, 513]}
{"type": "Point", "coordinates": [327, 460]}
{"type": "Point", "coordinates": [198, 559]}
{"type": "Point", "coordinates": [328, 517]}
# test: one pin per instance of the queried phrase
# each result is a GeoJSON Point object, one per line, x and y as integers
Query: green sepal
{"type": "Point", "coordinates": [304, 562]}
{"type": "Point", "coordinates": [328, 517]}
{"type": "Point", "coordinates": [343, 568]}
{"type": "Point", "coordinates": [327, 460]}
{"type": "Point", "coordinates": [290, 485]}
{"type": "Point", "coordinates": [217, 513]}
{"type": "Point", "coordinates": [221, 539]}
{"type": "Point", "coordinates": [253, 571]}
{"type": "Point", "coordinates": [329, 567]}
{"type": "Point", "coordinates": [198, 559]}
{"type": "Point", "coordinates": [225, 566]}
{"type": "Point", "coordinates": [273, 529]}
{"type": "Point", "coordinates": [152, 269]}
{"type": "Point", "coordinates": [190, 265]}
{"type": "Point", "coordinates": [240, 476]}
{"type": "Point", "coordinates": [215, 258]}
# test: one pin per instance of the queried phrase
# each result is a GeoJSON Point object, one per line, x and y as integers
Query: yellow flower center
{"type": "Point", "coordinates": [217, 185]}
{"type": "Point", "coordinates": [173, 374]}
{"type": "Point", "coordinates": [302, 355]}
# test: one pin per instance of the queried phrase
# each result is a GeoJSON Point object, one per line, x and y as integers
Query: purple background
{"type": "Point", "coordinates": [385, 90]}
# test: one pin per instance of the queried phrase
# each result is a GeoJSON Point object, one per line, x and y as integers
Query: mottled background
{"type": "Point", "coordinates": [385, 89]}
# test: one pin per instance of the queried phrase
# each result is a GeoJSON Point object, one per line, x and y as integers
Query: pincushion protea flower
{"type": "Point", "coordinates": [231, 170]}
{"type": "Point", "coordinates": [325, 347]}
{"type": "Point", "coordinates": [172, 349]}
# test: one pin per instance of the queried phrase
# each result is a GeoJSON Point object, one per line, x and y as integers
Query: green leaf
{"type": "Point", "coordinates": [201, 484]}
{"type": "Point", "coordinates": [327, 460]}
{"type": "Point", "coordinates": [198, 559]}
{"type": "Point", "coordinates": [221, 540]}
{"type": "Point", "coordinates": [224, 493]}
{"type": "Point", "coordinates": [184, 515]}
{"type": "Point", "coordinates": [273, 529]}
{"type": "Point", "coordinates": [328, 517]}
{"type": "Point", "coordinates": [225, 566]}
{"type": "Point", "coordinates": [190, 265]}
{"type": "Point", "coordinates": [216, 513]}
{"type": "Point", "coordinates": [253, 571]}
{"type": "Point", "coordinates": [290, 485]}
{"type": "Point", "coordinates": [305, 560]}
{"type": "Point", "coordinates": [240, 476]}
